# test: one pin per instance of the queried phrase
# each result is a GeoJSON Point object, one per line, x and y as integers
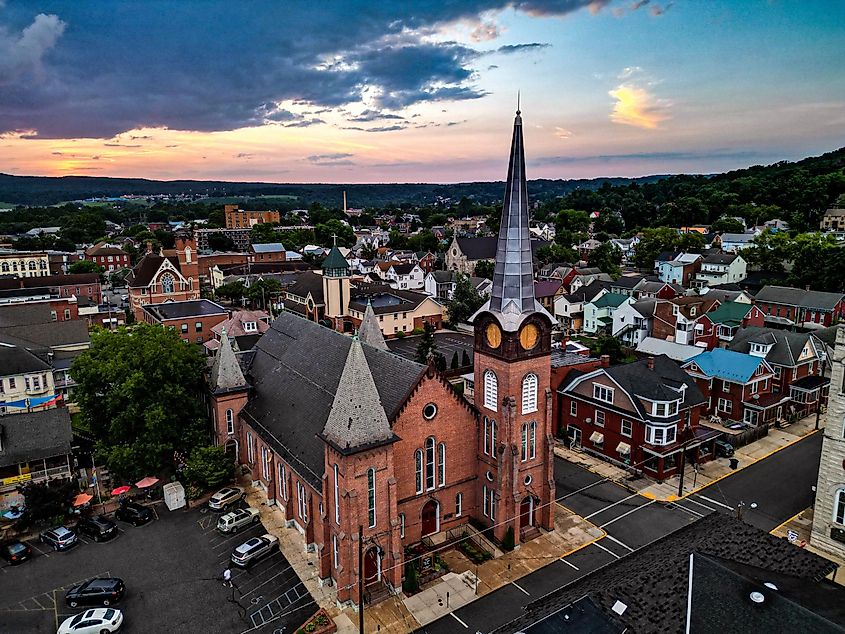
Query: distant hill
{"type": "Point", "coordinates": [44, 190]}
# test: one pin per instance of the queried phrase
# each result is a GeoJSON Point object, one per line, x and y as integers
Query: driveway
{"type": "Point", "coordinates": [171, 568]}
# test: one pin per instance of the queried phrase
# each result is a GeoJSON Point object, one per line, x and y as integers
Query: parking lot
{"type": "Point", "coordinates": [172, 568]}
{"type": "Point", "coordinates": [448, 344]}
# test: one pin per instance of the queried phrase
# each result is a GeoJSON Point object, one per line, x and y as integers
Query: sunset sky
{"type": "Point", "coordinates": [416, 91]}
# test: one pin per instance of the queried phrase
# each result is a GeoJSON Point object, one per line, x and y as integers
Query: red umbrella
{"type": "Point", "coordinates": [82, 499]}
{"type": "Point", "coordinates": [120, 490]}
{"type": "Point", "coordinates": [146, 482]}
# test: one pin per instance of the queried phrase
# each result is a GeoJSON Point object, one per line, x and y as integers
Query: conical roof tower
{"type": "Point", "coordinates": [369, 331]}
{"type": "Point", "coordinates": [226, 373]}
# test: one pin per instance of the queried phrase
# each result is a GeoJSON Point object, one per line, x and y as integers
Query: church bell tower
{"type": "Point", "coordinates": [513, 377]}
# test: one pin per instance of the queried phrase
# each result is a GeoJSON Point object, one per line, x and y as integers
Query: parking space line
{"type": "Point", "coordinates": [610, 552]}
{"type": "Point", "coordinates": [455, 616]}
{"type": "Point", "coordinates": [520, 588]}
{"type": "Point", "coordinates": [264, 583]}
{"type": "Point", "coordinates": [689, 499]}
{"type": "Point", "coordinates": [616, 519]}
{"type": "Point", "coordinates": [716, 502]}
{"type": "Point", "coordinates": [610, 506]}
{"type": "Point", "coordinates": [39, 604]}
{"type": "Point", "coordinates": [569, 564]}
{"type": "Point", "coordinates": [38, 549]}
{"type": "Point", "coordinates": [259, 575]}
{"type": "Point", "coordinates": [684, 508]}
{"type": "Point", "coordinates": [616, 541]}
{"type": "Point", "coordinates": [82, 539]}
{"type": "Point", "coordinates": [215, 546]}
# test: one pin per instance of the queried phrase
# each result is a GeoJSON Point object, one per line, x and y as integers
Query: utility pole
{"type": "Point", "coordinates": [360, 579]}
{"type": "Point", "coordinates": [821, 388]}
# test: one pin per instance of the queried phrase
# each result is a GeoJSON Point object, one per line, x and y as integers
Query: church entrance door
{"type": "Point", "coordinates": [429, 518]}
{"type": "Point", "coordinates": [372, 566]}
{"type": "Point", "coordinates": [526, 512]}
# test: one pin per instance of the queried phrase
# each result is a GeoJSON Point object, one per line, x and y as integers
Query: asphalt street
{"type": "Point", "coordinates": [172, 568]}
{"type": "Point", "coordinates": [779, 486]}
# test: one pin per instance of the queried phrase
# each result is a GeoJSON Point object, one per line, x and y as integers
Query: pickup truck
{"type": "Point", "coordinates": [237, 519]}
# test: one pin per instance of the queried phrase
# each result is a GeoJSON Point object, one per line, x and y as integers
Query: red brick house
{"type": "Point", "coordinates": [341, 434]}
{"type": "Point", "coordinates": [788, 306]}
{"type": "Point", "coordinates": [638, 415]}
{"type": "Point", "coordinates": [193, 319]}
{"type": "Point", "coordinates": [737, 386]}
{"type": "Point", "coordinates": [720, 324]}
{"type": "Point", "coordinates": [676, 319]}
{"type": "Point", "coordinates": [111, 258]}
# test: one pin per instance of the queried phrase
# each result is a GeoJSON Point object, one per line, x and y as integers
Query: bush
{"type": "Point", "coordinates": [411, 582]}
{"type": "Point", "coordinates": [209, 466]}
{"type": "Point", "coordinates": [400, 334]}
{"type": "Point", "coordinates": [508, 541]}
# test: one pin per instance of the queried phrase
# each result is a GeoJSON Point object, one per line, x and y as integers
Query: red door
{"type": "Point", "coordinates": [371, 567]}
{"type": "Point", "coordinates": [526, 512]}
{"type": "Point", "coordinates": [429, 518]}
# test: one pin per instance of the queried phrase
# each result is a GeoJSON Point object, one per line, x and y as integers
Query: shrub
{"type": "Point", "coordinates": [412, 579]}
{"type": "Point", "coordinates": [508, 541]}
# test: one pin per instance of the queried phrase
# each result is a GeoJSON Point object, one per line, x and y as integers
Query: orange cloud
{"type": "Point", "coordinates": [635, 106]}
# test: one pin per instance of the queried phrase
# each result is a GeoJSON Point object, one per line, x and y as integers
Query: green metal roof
{"type": "Point", "coordinates": [610, 299]}
{"type": "Point", "coordinates": [729, 313]}
{"type": "Point", "coordinates": [335, 260]}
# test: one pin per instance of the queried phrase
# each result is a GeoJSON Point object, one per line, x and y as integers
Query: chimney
{"type": "Point", "coordinates": [651, 363]}
{"type": "Point", "coordinates": [605, 360]}
{"type": "Point", "coordinates": [344, 201]}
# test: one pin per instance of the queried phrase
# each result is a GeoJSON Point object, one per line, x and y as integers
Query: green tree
{"type": "Point", "coordinates": [692, 241]}
{"type": "Point", "coordinates": [233, 291]}
{"type": "Point", "coordinates": [261, 292]}
{"type": "Point", "coordinates": [455, 364]}
{"type": "Point", "coordinates": [424, 241]}
{"type": "Point", "coordinates": [85, 266]}
{"type": "Point", "coordinates": [652, 242]}
{"type": "Point", "coordinates": [46, 503]}
{"type": "Point", "coordinates": [555, 252]}
{"type": "Point", "coordinates": [220, 242]}
{"type": "Point", "coordinates": [427, 347]}
{"type": "Point", "coordinates": [727, 224]}
{"type": "Point", "coordinates": [209, 466]}
{"type": "Point", "coordinates": [484, 268]}
{"type": "Point", "coordinates": [139, 394]}
{"type": "Point", "coordinates": [83, 226]}
{"type": "Point", "coordinates": [605, 344]}
{"type": "Point", "coordinates": [465, 300]}
{"type": "Point", "coordinates": [572, 220]}
{"type": "Point", "coordinates": [325, 234]}
{"type": "Point", "coordinates": [607, 257]}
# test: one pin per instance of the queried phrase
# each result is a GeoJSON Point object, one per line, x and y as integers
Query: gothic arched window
{"type": "Point", "coordinates": [529, 393]}
{"type": "Point", "coordinates": [167, 283]}
{"type": "Point", "coordinates": [491, 390]}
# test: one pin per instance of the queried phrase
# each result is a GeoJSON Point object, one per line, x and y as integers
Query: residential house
{"type": "Point", "coordinates": [405, 276]}
{"type": "Point", "coordinates": [193, 319]}
{"type": "Point", "coordinates": [733, 242]}
{"type": "Point", "coordinates": [576, 278]}
{"type": "Point", "coordinates": [833, 220]}
{"type": "Point", "coordinates": [243, 328]}
{"type": "Point", "coordinates": [35, 446]}
{"type": "Point", "coordinates": [427, 260]}
{"type": "Point", "coordinates": [640, 415]}
{"type": "Point", "coordinates": [598, 313]}
{"type": "Point", "coordinates": [464, 253]}
{"type": "Point", "coordinates": [737, 386]}
{"type": "Point", "coordinates": [305, 295]}
{"type": "Point", "coordinates": [108, 256]}
{"type": "Point", "coordinates": [719, 325]}
{"type": "Point", "coordinates": [627, 285]}
{"type": "Point", "coordinates": [788, 306]}
{"type": "Point", "coordinates": [269, 252]}
{"type": "Point", "coordinates": [441, 285]}
{"type": "Point", "coordinates": [676, 319]}
{"type": "Point", "coordinates": [720, 268]}
{"type": "Point", "coordinates": [649, 289]}
{"type": "Point", "coordinates": [653, 347]}
{"type": "Point", "coordinates": [587, 247]}
{"type": "Point", "coordinates": [545, 292]}
{"type": "Point", "coordinates": [632, 321]}
{"type": "Point", "coordinates": [569, 308]}
{"type": "Point", "coordinates": [796, 359]}
{"type": "Point", "coordinates": [396, 310]}
{"type": "Point", "coordinates": [680, 269]}
{"type": "Point", "coordinates": [26, 380]}
{"type": "Point", "coordinates": [628, 247]}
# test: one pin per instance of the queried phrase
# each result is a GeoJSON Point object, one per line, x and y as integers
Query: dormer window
{"type": "Point", "coordinates": [602, 393]}
{"type": "Point", "coordinates": [250, 326]}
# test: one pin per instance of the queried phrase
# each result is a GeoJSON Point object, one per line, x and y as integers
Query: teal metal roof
{"type": "Point", "coordinates": [727, 364]}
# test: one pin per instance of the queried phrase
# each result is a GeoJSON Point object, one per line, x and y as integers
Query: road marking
{"type": "Point", "coordinates": [84, 541]}
{"type": "Point", "coordinates": [709, 508]}
{"type": "Point", "coordinates": [569, 564]}
{"type": "Point", "coordinates": [266, 582]}
{"type": "Point", "coordinates": [38, 604]}
{"type": "Point", "coordinates": [616, 541]}
{"type": "Point", "coordinates": [39, 550]}
{"type": "Point", "coordinates": [240, 535]}
{"type": "Point", "coordinates": [712, 501]}
{"type": "Point", "coordinates": [56, 610]}
{"type": "Point", "coordinates": [454, 616]}
{"type": "Point", "coordinates": [684, 508]}
{"type": "Point", "coordinates": [610, 552]}
{"type": "Point", "coordinates": [615, 519]}
{"type": "Point", "coordinates": [519, 587]}
{"type": "Point", "coordinates": [610, 506]}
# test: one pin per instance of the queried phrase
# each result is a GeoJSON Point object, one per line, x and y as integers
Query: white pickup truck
{"type": "Point", "coordinates": [232, 522]}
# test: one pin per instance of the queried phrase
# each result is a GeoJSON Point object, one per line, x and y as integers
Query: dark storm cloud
{"type": "Point", "coordinates": [521, 48]}
{"type": "Point", "coordinates": [96, 69]}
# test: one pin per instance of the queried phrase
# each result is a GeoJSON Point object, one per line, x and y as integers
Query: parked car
{"type": "Point", "coordinates": [59, 537]}
{"type": "Point", "coordinates": [233, 521]}
{"type": "Point", "coordinates": [15, 552]}
{"type": "Point", "coordinates": [254, 549]}
{"type": "Point", "coordinates": [134, 513]}
{"type": "Point", "coordinates": [103, 591]}
{"type": "Point", "coordinates": [724, 449]}
{"type": "Point", "coordinates": [98, 527]}
{"type": "Point", "coordinates": [225, 497]}
{"type": "Point", "coordinates": [96, 621]}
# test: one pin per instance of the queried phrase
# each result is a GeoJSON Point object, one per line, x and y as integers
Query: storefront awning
{"type": "Point", "coordinates": [623, 448]}
{"type": "Point", "coordinates": [597, 438]}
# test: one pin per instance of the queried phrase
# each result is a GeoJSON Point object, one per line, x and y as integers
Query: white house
{"type": "Point", "coordinates": [721, 268]}
{"type": "Point", "coordinates": [632, 321]}
{"type": "Point", "coordinates": [405, 276]}
{"type": "Point", "coordinates": [677, 270]}
{"type": "Point", "coordinates": [733, 242]}
{"type": "Point", "coordinates": [598, 314]}
{"type": "Point", "coordinates": [569, 309]}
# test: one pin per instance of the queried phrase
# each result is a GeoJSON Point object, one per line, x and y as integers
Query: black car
{"type": "Point", "coordinates": [133, 513]}
{"type": "Point", "coordinates": [98, 527]}
{"type": "Point", "coordinates": [15, 552]}
{"type": "Point", "coordinates": [96, 592]}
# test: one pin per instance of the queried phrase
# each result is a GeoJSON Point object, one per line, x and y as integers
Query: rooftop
{"type": "Point", "coordinates": [184, 309]}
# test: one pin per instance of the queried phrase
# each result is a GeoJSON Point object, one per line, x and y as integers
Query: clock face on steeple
{"type": "Point", "coordinates": [493, 334]}
{"type": "Point", "coordinates": [529, 336]}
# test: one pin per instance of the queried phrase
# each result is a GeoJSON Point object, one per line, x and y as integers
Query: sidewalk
{"type": "Point", "coordinates": [708, 473]}
{"type": "Point", "coordinates": [400, 614]}
{"type": "Point", "coordinates": [802, 525]}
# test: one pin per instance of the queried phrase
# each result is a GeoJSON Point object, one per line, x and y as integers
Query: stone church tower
{"type": "Point", "coordinates": [829, 513]}
{"type": "Point", "coordinates": [512, 377]}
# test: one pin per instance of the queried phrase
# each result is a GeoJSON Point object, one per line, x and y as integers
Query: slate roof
{"type": "Point", "coordinates": [145, 270]}
{"type": "Point", "coordinates": [270, 247]}
{"type": "Point", "coordinates": [71, 279]}
{"type": "Point", "coordinates": [357, 419]}
{"type": "Point", "coordinates": [546, 288]}
{"type": "Point", "coordinates": [335, 260]}
{"type": "Point", "coordinates": [790, 296]}
{"type": "Point", "coordinates": [234, 326]}
{"type": "Point", "coordinates": [652, 581]}
{"type": "Point", "coordinates": [294, 387]}
{"type": "Point", "coordinates": [673, 350]}
{"type": "Point", "coordinates": [786, 346]}
{"type": "Point", "coordinates": [485, 248]}
{"type": "Point", "coordinates": [307, 282]}
{"type": "Point", "coordinates": [659, 384]}
{"type": "Point", "coordinates": [404, 268]}
{"type": "Point", "coordinates": [184, 309]}
{"type": "Point", "coordinates": [645, 307]}
{"type": "Point", "coordinates": [391, 301]}
{"type": "Point", "coordinates": [14, 360]}
{"type": "Point", "coordinates": [46, 335]}
{"type": "Point", "coordinates": [24, 314]}
{"type": "Point", "coordinates": [35, 435]}
{"type": "Point", "coordinates": [369, 331]}
{"type": "Point", "coordinates": [727, 364]}
{"type": "Point", "coordinates": [720, 258]}
{"type": "Point", "coordinates": [226, 373]}
{"type": "Point", "coordinates": [741, 238]}
{"type": "Point", "coordinates": [627, 281]}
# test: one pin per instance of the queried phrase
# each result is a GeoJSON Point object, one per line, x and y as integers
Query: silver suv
{"type": "Point", "coordinates": [225, 497]}
{"type": "Point", "coordinates": [254, 549]}
{"type": "Point", "coordinates": [233, 521]}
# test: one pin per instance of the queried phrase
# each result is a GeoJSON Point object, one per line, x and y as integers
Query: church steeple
{"type": "Point", "coordinates": [226, 373]}
{"type": "Point", "coordinates": [512, 297]}
{"type": "Point", "coordinates": [369, 331]}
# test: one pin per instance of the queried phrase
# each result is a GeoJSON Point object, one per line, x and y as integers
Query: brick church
{"type": "Point", "coordinates": [341, 433]}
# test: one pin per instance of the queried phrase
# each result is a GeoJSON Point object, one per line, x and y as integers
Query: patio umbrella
{"type": "Point", "coordinates": [146, 482]}
{"type": "Point", "coordinates": [121, 490]}
{"type": "Point", "coordinates": [82, 499]}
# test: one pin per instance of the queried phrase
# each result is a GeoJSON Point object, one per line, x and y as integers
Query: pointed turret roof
{"type": "Point", "coordinates": [357, 419]}
{"type": "Point", "coordinates": [369, 331]}
{"type": "Point", "coordinates": [226, 373]}
{"type": "Point", "coordinates": [335, 264]}
{"type": "Point", "coordinates": [512, 297]}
